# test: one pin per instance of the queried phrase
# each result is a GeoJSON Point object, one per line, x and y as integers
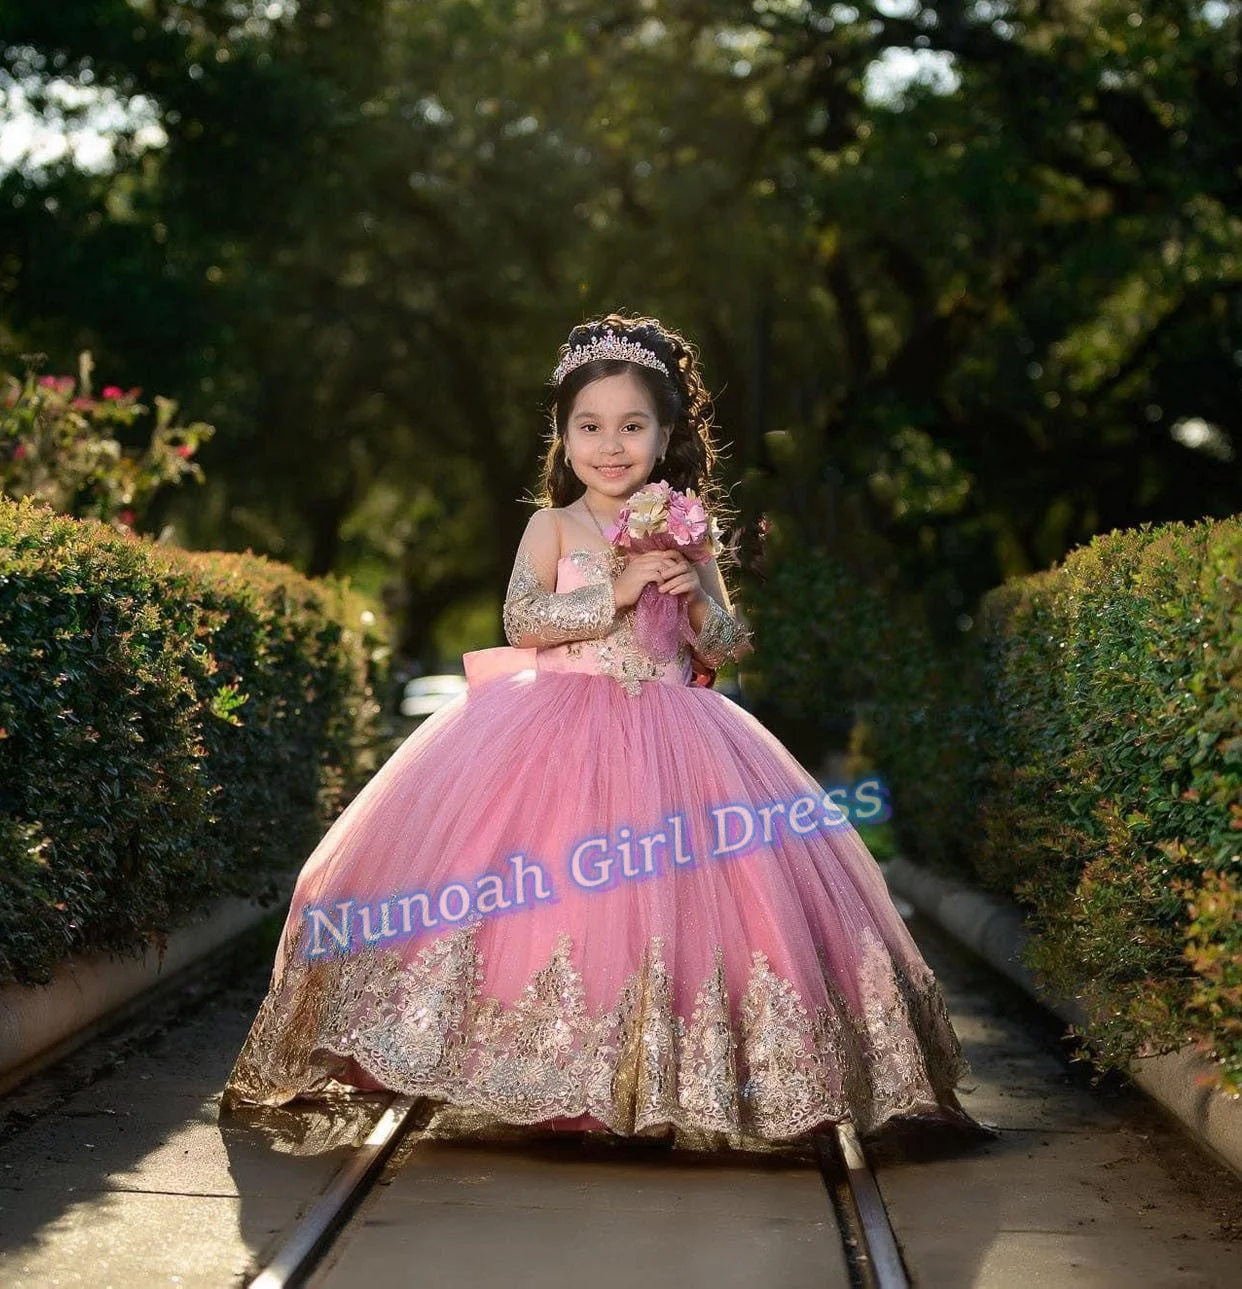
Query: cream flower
{"type": "Point", "coordinates": [648, 512]}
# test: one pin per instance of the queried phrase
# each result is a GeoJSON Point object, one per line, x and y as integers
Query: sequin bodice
{"type": "Point", "coordinates": [617, 654]}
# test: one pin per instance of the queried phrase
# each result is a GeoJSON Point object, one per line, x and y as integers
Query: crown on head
{"type": "Point", "coordinates": [607, 345]}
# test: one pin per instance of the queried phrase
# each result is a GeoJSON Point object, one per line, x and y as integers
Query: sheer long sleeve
{"type": "Point", "coordinates": [722, 637]}
{"type": "Point", "coordinates": [535, 614]}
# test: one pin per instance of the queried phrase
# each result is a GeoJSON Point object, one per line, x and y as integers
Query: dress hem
{"type": "Point", "coordinates": [776, 1073]}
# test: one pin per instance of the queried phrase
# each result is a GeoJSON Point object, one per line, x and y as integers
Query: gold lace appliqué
{"type": "Point", "coordinates": [594, 562]}
{"type": "Point", "coordinates": [422, 1028]}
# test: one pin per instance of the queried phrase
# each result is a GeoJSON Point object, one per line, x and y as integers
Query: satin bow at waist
{"type": "Point", "coordinates": [483, 665]}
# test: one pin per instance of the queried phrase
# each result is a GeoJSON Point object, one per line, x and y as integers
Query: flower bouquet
{"type": "Point", "coordinates": [659, 517]}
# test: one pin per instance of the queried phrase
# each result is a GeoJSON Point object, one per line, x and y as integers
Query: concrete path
{"type": "Point", "coordinates": [560, 1215]}
{"type": "Point", "coordinates": [1089, 1188]}
{"type": "Point", "coordinates": [116, 1173]}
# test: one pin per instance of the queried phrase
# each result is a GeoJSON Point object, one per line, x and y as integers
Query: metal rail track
{"type": "Point", "coordinates": [871, 1251]}
{"type": "Point", "coordinates": [310, 1239]}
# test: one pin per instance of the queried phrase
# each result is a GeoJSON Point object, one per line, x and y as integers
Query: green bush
{"type": "Point", "coordinates": [1080, 751]}
{"type": "Point", "coordinates": [1113, 759]}
{"type": "Point", "coordinates": [174, 727]}
{"type": "Point", "coordinates": [829, 642]}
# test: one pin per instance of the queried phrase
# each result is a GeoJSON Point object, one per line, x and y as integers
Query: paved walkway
{"type": "Point", "coordinates": [123, 1177]}
{"type": "Point", "coordinates": [561, 1216]}
{"type": "Point", "coordinates": [1093, 1188]}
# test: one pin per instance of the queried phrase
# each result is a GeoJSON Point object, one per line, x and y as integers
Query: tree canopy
{"type": "Point", "coordinates": [955, 324]}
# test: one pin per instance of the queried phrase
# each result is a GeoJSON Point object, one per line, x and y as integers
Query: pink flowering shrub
{"type": "Point", "coordinates": [58, 445]}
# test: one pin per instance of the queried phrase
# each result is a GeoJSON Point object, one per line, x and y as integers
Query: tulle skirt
{"type": "Point", "coordinates": [560, 903]}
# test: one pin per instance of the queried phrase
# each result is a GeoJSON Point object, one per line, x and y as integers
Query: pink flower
{"type": "Point", "coordinates": [19, 451]}
{"type": "Point", "coordinates": [84, 404]}
{"type": "Point", "coordinates": [61, 384]}
{"type": "Point", "coordinates": [687, 520]}
{"type": "Point", "coordinates": [112, 392]}
{"type": "Point", "coordinates": [695, 519]}
{"type": "Point", "coordinates": [126, 517]}
{"type": "Point", "coordinates": [185, 450]}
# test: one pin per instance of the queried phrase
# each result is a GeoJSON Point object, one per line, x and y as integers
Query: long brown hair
{"type": "Point", "coordinates": [681, 401]}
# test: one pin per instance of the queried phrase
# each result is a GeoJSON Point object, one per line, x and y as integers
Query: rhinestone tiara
{"type": "Point", "coordinates": [607, 346]}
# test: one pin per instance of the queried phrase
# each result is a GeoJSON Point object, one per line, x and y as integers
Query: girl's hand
{"type": "Point", "coordinates": [681, 577]}
{"type": "Point", "coordinates": [669, 570]}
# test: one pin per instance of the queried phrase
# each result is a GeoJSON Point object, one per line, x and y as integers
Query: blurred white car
{"type": "Point", "coordinates": [426, 694]}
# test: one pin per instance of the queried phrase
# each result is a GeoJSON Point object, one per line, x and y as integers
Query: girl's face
{"type": "Point", "coordinates": [613, 439]}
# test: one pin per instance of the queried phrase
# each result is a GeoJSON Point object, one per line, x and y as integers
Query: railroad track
{"type": "Point", "coordinates": [869, 1246]}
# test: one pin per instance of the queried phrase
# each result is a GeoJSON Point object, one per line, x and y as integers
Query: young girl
{"type": "Point", "coordinates": [590, 893]}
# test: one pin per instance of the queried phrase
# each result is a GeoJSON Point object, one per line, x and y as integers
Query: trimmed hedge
{"type": "Point", "coordinates": [1112, 802]}
{"type": "Point", "coordinates": [1081, 751]}
{"type": "Point", "coordinates": [174, 727]}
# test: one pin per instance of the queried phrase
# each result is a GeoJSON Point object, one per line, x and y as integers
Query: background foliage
{"type": "Point", "coordinates": [59, 445]}
{"type": "Point", "coordinates": [999, 303]}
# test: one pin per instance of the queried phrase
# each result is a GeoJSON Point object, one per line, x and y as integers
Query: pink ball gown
{"type": "Point", "coordinates": [589, 894]}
